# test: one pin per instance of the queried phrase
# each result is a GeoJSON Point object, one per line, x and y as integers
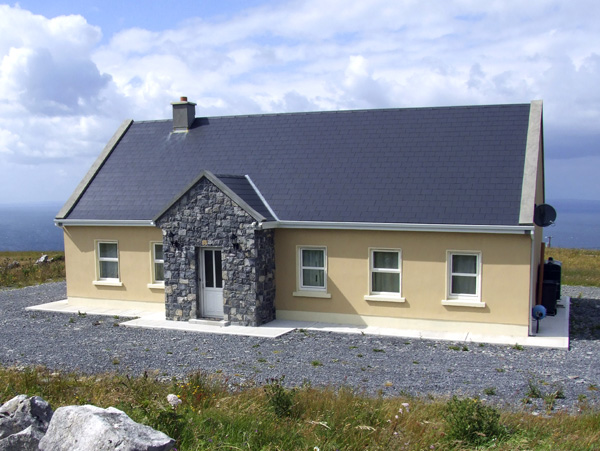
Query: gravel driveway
{"type": "Point", "coordinates": [500, 374]}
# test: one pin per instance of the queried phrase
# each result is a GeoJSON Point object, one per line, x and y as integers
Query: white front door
{"type": "Point", "coordinates": [211, 283]}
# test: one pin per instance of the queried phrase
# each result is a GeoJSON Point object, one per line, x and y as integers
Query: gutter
{"type": "Point", "coordinates": [399, 227]}
{"type": "Point", "coordinates": [324, 225]}
{"type": "Point", "coordinates": [104, 222]}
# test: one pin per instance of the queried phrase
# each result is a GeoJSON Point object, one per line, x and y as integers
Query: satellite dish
{"type": "Point", "coordinates": [538, 312]}
{"type": "Point", "coordinates": [544, 215]}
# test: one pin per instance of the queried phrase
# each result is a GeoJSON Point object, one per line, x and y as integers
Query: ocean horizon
{"type": "Point", "coordinates": [30, 227]}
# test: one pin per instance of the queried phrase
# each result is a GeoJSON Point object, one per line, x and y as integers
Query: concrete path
{"type": "Point", "coordinates": [553, 333]}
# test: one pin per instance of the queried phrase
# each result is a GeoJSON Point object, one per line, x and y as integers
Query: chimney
{"type": "Point", "coordinates": [184, 113]}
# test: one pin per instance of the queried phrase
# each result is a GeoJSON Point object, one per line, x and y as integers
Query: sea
{"type": "Point", "coordinates": [30, 227]}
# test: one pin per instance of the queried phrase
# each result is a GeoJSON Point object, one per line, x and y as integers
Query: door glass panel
{"type": "Point", "coordinates": [218, 270]}
{"type": "Point", "coordinates": [208, 269]}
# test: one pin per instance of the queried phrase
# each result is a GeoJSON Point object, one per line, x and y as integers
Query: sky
{"type": "Point", "coordinates": [72, 71]}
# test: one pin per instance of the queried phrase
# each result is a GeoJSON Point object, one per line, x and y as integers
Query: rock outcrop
{"type": "Point", "coordinates": [23, 423]}
{"type": "Point", "coordinates": [90, 428]}
{"type": "Point", "coordinates": [29, 424]}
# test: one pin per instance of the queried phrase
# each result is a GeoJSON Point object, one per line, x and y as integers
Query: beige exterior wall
{"type": "Point", "coordinates": [135, 263]}
{"type": "Point", "coordinates": [505, 283]}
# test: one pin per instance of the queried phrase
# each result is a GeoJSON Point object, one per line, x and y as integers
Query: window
{"type": "Point", "coordinates": [313, 270]}
{"type": "Point", "coordinates": [108, 261]}
{"type": "Point", "coordinates": [464, 279]}
{"type": "Point", "coordinates": [463, 275]}
{"type": "Point", "coordinates": [385, 272]}
{"type": "Point", "coordinates": [158, 263]}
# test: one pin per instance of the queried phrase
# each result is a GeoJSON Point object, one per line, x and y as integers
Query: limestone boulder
{"type": "Point", "coordinates": [26, 440]}
{"type": "Point", "coordinates": [91, 428]}
{"type": "Point", "coordinates": [23, 422]}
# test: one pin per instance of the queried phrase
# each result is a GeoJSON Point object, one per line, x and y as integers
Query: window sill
{"type": "Point", "coordinates": [463, 303]}
{"type": "Point", "coordinates": [312, 294]}
{"type": "Point", "coordinates": [108, 283]}
{"type": "Point", "coordinates": [384, 298]}
{"type": "Point", "coordinates": [156, 286]}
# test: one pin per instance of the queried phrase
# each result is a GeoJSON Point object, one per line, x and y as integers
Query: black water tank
{"type": "Point", "coordinates": [551, 285]}
{"type": "Point", "coordinates": [549, 290]}
{"type": "Point", "coordinates": [552, 272]}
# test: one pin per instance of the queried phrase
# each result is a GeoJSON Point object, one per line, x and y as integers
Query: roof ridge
{"type": "Point", "coordinates": [348, 111]}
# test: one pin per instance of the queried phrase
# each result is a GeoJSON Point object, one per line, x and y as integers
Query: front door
{"type": "Point", "coordinates": [211, 283]}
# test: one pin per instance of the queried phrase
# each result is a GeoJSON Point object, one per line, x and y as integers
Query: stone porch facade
{"type": "Point", "coordinates": [206, 217]}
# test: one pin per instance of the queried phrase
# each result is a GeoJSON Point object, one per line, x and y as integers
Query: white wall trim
{"type": "Point", "coordinates": [311, 294]}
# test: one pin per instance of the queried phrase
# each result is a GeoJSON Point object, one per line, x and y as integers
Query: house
{"type": "Point", "coordinates": [414, 218]}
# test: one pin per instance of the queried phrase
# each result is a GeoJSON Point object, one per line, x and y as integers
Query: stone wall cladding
{"type": "Point", "coordinates": [206, 217]}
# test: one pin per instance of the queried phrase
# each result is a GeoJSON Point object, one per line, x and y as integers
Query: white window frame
{"type": "Point", "coordinates": [463, 299]}
{"type": "Point", "coordinates": [158, 284]}
{"type": "Point", "coordinates": [307, 290]}
{"type": "Point", "coordinates": [386, 296]}
{"type": "Point", "coordinates": [109, 281]}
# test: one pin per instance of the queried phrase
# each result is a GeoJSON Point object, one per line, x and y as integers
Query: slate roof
{"type": "Point", "coordinates": [447, 165]}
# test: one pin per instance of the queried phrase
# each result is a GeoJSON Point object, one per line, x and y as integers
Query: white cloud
{"type": "Point", "coordinates": [57, 81]}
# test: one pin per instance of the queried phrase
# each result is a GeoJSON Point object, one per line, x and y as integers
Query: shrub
{"type": "Point", "coordinates": [471, 422]}
{"type": "Point", "coordinates": [280, 399]}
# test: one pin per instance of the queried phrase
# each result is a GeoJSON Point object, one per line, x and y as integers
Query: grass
{"type": "Point", "coordinates": [579, 266]}
{"type": "Point", "coordinates": [18, 269]}
{"type": "Point", "coordinates": [272, 417]}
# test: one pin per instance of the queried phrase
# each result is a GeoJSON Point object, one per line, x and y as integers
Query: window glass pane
{"type": "Point", "coordinates": [159, 272]}
{"type": "Point", "coordinates": [386, 282]}
{"type": "Point", "coordinates": [158, 252]}
{"type": "Point", "coordinates": [313, 257]}
{"type": "Point", "coordinates": [218, 270]}
{"type": "Point", "coordinates": [465, 264]}
{"type": "Point", "coordinates": [385, 260]}
{"type": "Point", "coordinates": [313, 278]}
{"type": "Point", "coordinates": [464, 285]}
{"type": "Point", "coordinates": [108, 250]}
{"type": "Point", "coordinates": [109, 270]}
{"type": "Point", "coordinates": [208, 269]}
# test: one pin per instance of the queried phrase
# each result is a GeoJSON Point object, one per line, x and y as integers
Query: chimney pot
{"type": "Point", "coordinates": [183, 99]}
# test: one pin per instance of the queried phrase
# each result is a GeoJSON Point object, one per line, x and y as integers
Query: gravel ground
{"type": "Point", "coordinates": [500, 374]}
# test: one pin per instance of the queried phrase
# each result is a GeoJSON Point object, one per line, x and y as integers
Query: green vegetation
{"type": "Point", "coordinates": [579, 266]}
{"type": "Point", "coordinates": [473, 423]}
{"type": "Point", "coordinates": [273, 417]}
{"type": "Point", "coordinates": [18, 269]}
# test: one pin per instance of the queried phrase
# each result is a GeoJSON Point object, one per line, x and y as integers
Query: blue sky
{"type": "Point", "coordinates": [71, 72]}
